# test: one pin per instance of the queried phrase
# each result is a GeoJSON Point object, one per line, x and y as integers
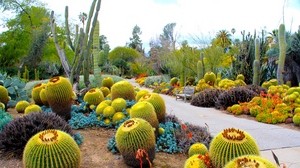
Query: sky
{"type": "Point", "coordinates": [193, 18]}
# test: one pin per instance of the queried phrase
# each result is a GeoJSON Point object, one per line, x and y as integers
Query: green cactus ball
{"type": "Point", "coordinates": [250, 161]}
{"type": "Point", "coordinates": [33, 108]}
{"type": "Point", "coordinates": [51, 148]}
{"type": "Point", "coordinates": [197, 148]}
{"type": "Point", "coordinates": [21, 106]}
{"type": "Point", "coordinates": [296, 119]}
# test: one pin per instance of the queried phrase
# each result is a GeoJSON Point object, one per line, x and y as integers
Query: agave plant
{"type": "Point", "coordinates": [15, 87]}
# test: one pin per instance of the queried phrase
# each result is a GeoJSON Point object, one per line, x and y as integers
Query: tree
{"type": "Point", "coordinates": [168, 39]}
{"type": "Point", "coordinates": [82, 18]}
{"type": "Point", "coordinates": [122, 57]}
{"type": "Point", "coordinates": [135, 41]}
{"type": "Point", "coordinates": [102, 42]}
{"type": "Point", "coordinates": [222, 39]}
{"type": "Point", "coordinates": [24, 37]}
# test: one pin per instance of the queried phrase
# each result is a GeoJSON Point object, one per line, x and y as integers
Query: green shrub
{"type": "Point", "coordinates": [150, 80]}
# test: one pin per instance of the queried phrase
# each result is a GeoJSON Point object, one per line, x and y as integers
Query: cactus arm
{"type": "Point", "coordinates": [60, 51]}
{"type": "Point", "coordinates": [67, 29]}
{"type": "Point", "coordinates": [282, 53]}
{"type": "Point", "coordinates": [96, 57]}
{"type": "Point", "coordinates": [256, 63]}
{"type": "Point", "coordinates": [88, 41]}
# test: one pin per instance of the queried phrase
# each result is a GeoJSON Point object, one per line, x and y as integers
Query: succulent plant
{"type": "Point", "coordinates": [53, 148]}
{"type": "Point", "coordinates": [93, 96]}
{"type": "Point", "coordinates": [105, 90]}
{"type": "Point", "coordinates": [250, 161]}
{"type": "Point", "coordinates": [158, 103]}
{"type": "Point", "coordinates": [173, 81]}
{"type": "Point", "coordinates": [15, 87]}
{"type": "Point", "coordinates": [136, 135]}
{"type": "Point", "coordinates": [234, 96]}
{"type": "Point", "coordinates": [33, 108]}
{"type": "Point", "coordinates": [122, 89]}
{"type": "Point", "coordinates": [206, 98]}
{"type": "Point", "coordinates": [198, 161]}
{"type": "Point", "coordinates": [20, 130]}
{"type": "Point", "coordinates": [43, 96]}
{"type": "Point", "coordinates": [60, 96]}
{"type": "Point", "coordinates": [296, 119]}
{"type": "Point", "coordinates": [35, 93]}
{"type": "Point", "coordinates": [146, 111]}
{"type": "Point", "coordinates": [140, 94]}
{"type": "Point", "coordinates": [107, 82]}
{"type": "Point", "coordinates": [197, 149]}
{"type": "Point", "coordinates": [5, 118]}
{"type": "Point", "coordinates": [117, 117]}
{"type": "Point", "coordinates": [210, 78]}
{"type": "Point", "coordinates": [4, 98]}
{"type": "Point", "coordinates": [231, 143]}
{"type": "Point", "coordinates": [21, 106]}
{"type": "Point", "coordinates": [119, 104]}
{"type": "Point", "coordinates": [101, 107]}
{"type": "Point", "coordinates": [109, 112]}
{"type": "Point", "coordinates": [188, 134]}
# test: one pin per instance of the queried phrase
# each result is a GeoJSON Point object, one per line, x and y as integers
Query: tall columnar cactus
{"type": "Point", "coordinates": [96, 53]}
{"type": "Point", "coordinates": [60, 95]}
{"type": "Point", "coordinates": [200, 66]}
{"type": "Point", "coordinates": [256, 64]}
{"type": "Point", "coordinates": [282, 53]}
{"type": "Point", "coordinates": [231, 143]}
{"type": "Point", "coordinates": [51, 148]}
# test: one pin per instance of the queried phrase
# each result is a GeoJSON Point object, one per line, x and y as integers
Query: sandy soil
{"type": "Point", "coordinates": [95, 153]}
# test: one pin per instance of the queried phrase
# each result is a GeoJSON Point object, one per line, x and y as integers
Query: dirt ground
{"type": "Point", "coordinates": [95, 154]}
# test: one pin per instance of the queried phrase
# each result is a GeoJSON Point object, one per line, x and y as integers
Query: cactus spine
{"type": "Point", "coordinates": [256, 63]}
{"type": "Point", "coordinates": [282, 53]}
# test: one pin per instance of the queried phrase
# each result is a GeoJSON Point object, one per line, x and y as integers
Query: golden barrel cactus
{"type": "Point", "coordinates": [35, 93]}
{"type": "Point", "coordinates": [231, 143]}
{"type": "Point", "coordinates": [51, 148]}
{"type": "Point", "coordinates": [60, 96]}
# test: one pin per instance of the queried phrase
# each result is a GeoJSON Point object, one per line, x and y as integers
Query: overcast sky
{"type": "Point", "coordinates": [193, 17]}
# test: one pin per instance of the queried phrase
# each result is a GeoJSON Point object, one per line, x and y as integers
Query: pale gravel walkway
{"type": "Point", "coordinates": [284, 142]}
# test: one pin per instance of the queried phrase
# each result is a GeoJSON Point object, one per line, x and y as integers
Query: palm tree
{"type": "Point", "coordinates": [82, 18]}
{"type": "Point", "coordinates": [223, 39]}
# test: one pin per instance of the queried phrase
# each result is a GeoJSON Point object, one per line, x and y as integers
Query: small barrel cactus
{"type": "Point", "coordinates": [4, 98]}
{"type": "Point", "coordinates": [198, 161]}
{"type": "Point", "coordinates": [107, 82]}
{"type": "Point", "coordinates": [140, 94]}
{"type": "Point", "coordinates": [21, 106]}
{"type": "Point", "coordinates": [146, 111]}
{"type": "Point", "coordinates": [250, 161]}
{"type": "Point", "coordinates": [35, 93]}
{"type": "Point", "coordinates": [231, 143]}
{"type": "Point", "coordinates": [43, 96]}
{"type": "Point", "coordinates": [135, 140]}
{"type": "Point", "coordinates": [296, 119]}
{"type": "Point", "coordinates": [53, 148]}
{"type": "Point", "coordinates": [210, 78]}
{"type": "Point", "coordinates": [197, 148]}
{"type": "Point", "coordinates": [93, 96]}
{"type": "Point", "coordinates": [122, 89]}
{"type": "Point", "coordinates": [158, 103]}
{"type": "Point", "coordinates": [33, 108]}
{"type": "Point", "coordinates": [119, 104]}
